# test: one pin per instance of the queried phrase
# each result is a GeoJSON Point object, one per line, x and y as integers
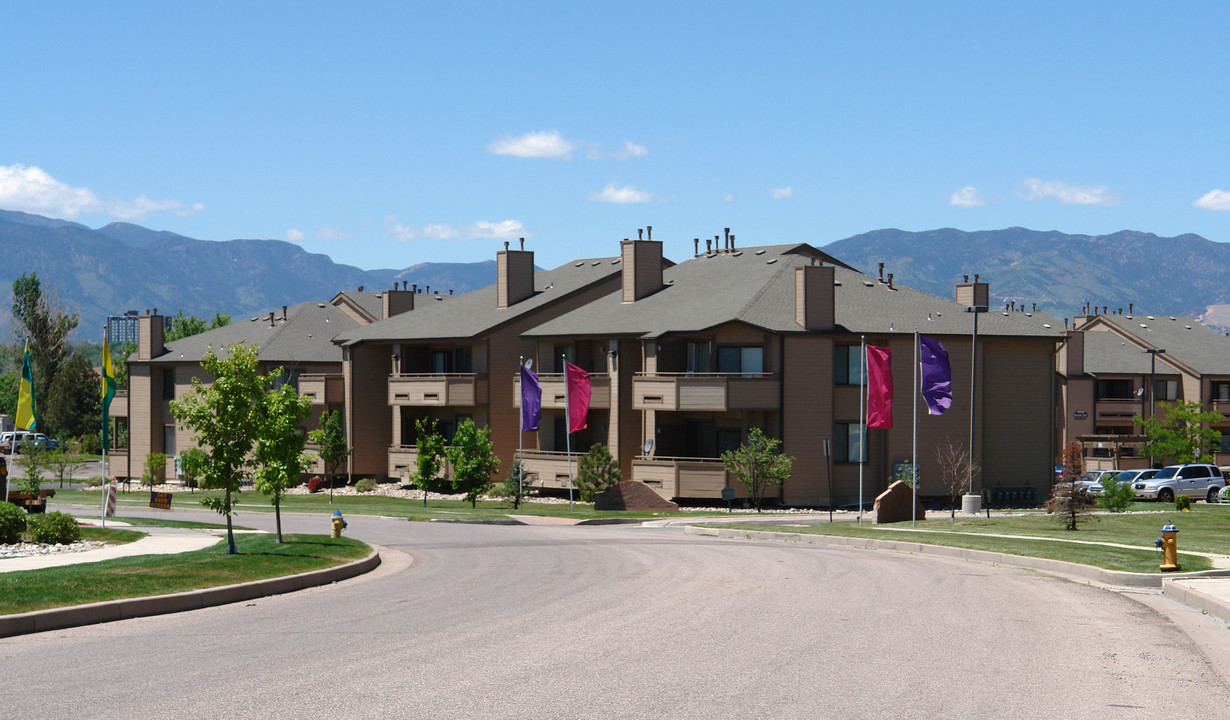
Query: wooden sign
{"type": "Point", "coordinates": [162, 501]}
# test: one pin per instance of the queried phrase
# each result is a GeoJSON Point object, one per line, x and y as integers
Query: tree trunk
{"type": "Point", "coordinates": [277, 513]}
{"type": "Point", "coordinates": [230, 531]}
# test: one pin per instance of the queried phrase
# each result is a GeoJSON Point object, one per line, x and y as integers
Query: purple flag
{"type": "Point", "coordinates": [531, 400]}
{"type": "Point", "coordinates": [936, 375]}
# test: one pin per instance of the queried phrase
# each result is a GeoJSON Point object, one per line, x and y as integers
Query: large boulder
{"type": "Point", "coordinates": [893, 505]}
{"type": "Point", "coordinates": [633, 495]}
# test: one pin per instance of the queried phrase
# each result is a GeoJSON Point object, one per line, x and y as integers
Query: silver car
{"type": "Point", "coordinates": [1196, 480]}
{"type": "Point", "coordinates": [1123, 476]}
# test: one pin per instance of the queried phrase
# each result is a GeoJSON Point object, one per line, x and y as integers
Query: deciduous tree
{"type": "Point", "coordinates": [956, 468]}
{"type": "Point", "coordinates": [473, 460]}
{"type": "Point", "coordinates": [429, 451]}
{"type": "Point", "coordinates": [331, 445]}
{"type": "Point", "coordinates": [38, 316]}
{"type": "Point", "coordinates": [758, 464]}
{"type": "Point", "coordinates": [1183, 435]}
{"type": "Point", "coordinates": [279, 445]}
{"type": "Point", "coordinates": [183, 326]}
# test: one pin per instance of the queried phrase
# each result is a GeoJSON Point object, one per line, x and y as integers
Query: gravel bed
{"type": "Point", "coordinates": [27, 549]}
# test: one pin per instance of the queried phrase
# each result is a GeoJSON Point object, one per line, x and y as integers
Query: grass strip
{"type": "Point", "coordinates": [1104, 556]}
{"type": "Point", "coordinates": [260, 557]}
{"type": "Point", "coordinates": [163, 522]}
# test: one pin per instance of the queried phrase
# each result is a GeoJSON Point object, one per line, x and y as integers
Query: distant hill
{"type": "Point", "coordinates": [124, 267]}
{"type": "Point", "coordinates": [1184, 275]}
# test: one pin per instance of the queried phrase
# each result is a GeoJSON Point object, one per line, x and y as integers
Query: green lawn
{"type": "Point", "coordinates": [250, 500]}
{"type": "Point", "coordinates": [1205, 529]}
{"type": "Point", "coordinates": [259, 557]}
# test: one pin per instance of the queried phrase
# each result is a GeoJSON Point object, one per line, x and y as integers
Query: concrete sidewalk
{"type": "Point", "coordinates": [158, 541]}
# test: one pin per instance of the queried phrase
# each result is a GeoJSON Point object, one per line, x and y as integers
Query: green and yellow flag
{"type": "Point", "coordinates": [27, 413]}
{"type": "Point", "coordinates": [108, 392]}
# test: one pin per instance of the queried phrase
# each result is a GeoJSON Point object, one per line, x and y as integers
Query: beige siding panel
{"type": "Point", "coordinates": [654, 393]}
{"type": "Point", "coordinates": [702, 394]}
{"type": "Point", "coordinates": [698, 480]}
{"type": "Point", "coordinates": [658, 475]}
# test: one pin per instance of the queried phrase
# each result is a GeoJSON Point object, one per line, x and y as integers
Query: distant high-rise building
{"type": "Point", "coordinates": [122, 329]}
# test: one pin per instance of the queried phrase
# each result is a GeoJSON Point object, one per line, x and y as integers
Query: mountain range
{"type": "Point", "coordinates": [121, 266]}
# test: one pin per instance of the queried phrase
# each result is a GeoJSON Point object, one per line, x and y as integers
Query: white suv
{"type": "Point", "coordinates": [1196, 480]}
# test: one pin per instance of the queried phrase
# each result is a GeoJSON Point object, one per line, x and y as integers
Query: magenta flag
{"type": "Point", "coordinates": [531, 400]}
{"type": "Point", "coordinates": [578, 396]}
{"type": "Point", "coordinates": [936, 375]}
{"type": "Point", "coordinates": [879, 387]}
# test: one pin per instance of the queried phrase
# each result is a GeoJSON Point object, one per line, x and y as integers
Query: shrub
{"type": "Point", "coordinates": [365, 485]}
{"type": "Point", "coordinates": [514, 486]}
{"type": "Point", "coordinates": [596, 471]}
{"type": "Point", "coordinates": [1116, 496]}
{"type": "Point", "coordinates": [1183, 502]}
{"type": "Point", "coordinates": [91, 444]}
{"type": "Point", "coordinates": [94, 481]}
{"type": "Point", "coordinates": [315, 483]}
{"type": "Point", "coordinates": [12, 523]}
{"type": "Point", "coordinates": [54, 527]}
{"type": "Point", "coordinates": [155, 467]}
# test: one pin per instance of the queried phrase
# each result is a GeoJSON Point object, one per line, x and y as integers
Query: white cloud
{"type": "Point", "coordinates": [626, 195]}
{"type": "Point", "coordinates": [630, 150]}
{"type": "Point", "coordinates": [328, 233]}
{"type": "Point", "coordinates": [440, 232]}
{"type": "Point", "coordinates": [504, 230]}
{"type": "Point", "coordinates": [968, 196]}
{"type": "Point", "coordinates": [1065, 194]}
{"type": "Point", "coordinates": [31, 189]}
{"type": "Point", "coordinates": [534, 145]}
{"type": "Point", "coordinates": [1214, 200]}
{"type": "Point", "coordinates": [400, 232]}
{"type": "Point", "coordinates": [481, 230]}
{"type": "Point", "coordinates": [783, 193]}
{"type": "Point", "coordinates": [294, 235]}
{"type": "Point", "coordinates": [728, 198]}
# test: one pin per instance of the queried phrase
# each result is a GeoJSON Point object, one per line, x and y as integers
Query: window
{"type": "Point", "coordinates": [563, 354]}
{"type": "Point", "coordinates": [168, 440]}
{"type": "Point", "coordinates": [168, 384]}
{"type": "Point", "coordinates": [848, 365]}
{"type": "Point", "coordinates": [1165, 389]}
{"type": "Point", "coordinates": [1224, 444]}
{"type": "Point", "coordinates": [1221, 391]}
{"type": "Point", "coordinates": [700, 357]}
{"type": "Point", "coordinates": [1194, 471]}
{"type": "Point", "coordinates": [462, 360]}
{"type": "Point", "coordinates": [727, 439]}
{"type": "Point", "coordinates": [1116, 389]}
{"type": "Point", "coordinates": [747, 360]}
{"type": "Point", "coordinates": [441, 362]}
{"type": "Point", "coordinates": [846, 442]}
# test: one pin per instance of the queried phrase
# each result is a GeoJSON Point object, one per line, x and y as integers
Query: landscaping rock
{"type": "Point", "coordinates": [633, 495]}
{"type": "Point", "coordinates": [893, 505]}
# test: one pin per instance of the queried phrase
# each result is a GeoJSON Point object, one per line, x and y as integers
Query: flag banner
{"type": "Point", "coordinates": [578, 396]}
{"type": "Point", "coordinates": [936, 375]}
{"type": "Point", "coordinates": [27, 410]}
{"type": "Point", "coordinates": [108, 392]}
{"type": "Point", "coordinates": [879, 387]}
{"type": "Point", "coordinates": [531, 400]}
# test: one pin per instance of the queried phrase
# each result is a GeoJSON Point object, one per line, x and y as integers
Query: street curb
{"type": "Point", "coordinates": [1058, 567]}
{"type": "Point", "coordinates": [93, 613]}
{"type": "Point", "coordinates": [1182, 591]}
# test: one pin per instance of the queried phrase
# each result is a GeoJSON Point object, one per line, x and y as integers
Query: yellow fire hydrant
{"type": "Point", "coordinates": [338, 524]}
{"type": "Point", "coordinates": [1169, 543]}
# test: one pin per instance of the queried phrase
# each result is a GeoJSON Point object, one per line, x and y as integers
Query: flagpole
{"type": "Point", "coordinates": [567, 430]}
{"type": "Point", "coordinates": [862, 419]}
{"type": "Point", "coordinates": [914, 446]}
{"type": "Point", "coordinates": [521, 435]}
{"type": "Point", "coordinates": [103, 434]}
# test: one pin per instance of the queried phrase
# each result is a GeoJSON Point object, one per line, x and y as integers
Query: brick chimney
{"type": "Point", "coordinates": [640, 268]}
{"type": "Point", "coordinates": [514, 276]}
{"type": "Point", "coordinates": [149, 335]}
{"type": "Point", "coordinates": [814, 300]}
{"type": "Point", "coordinates": [395, 302]}
{"type": "Point", "coordinates": [973, 294]}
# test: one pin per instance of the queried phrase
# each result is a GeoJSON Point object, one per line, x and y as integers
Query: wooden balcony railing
{"type": "Point", "coordinates": [447, 389]}
{"type": "Point", "coordinates": [706, 391]}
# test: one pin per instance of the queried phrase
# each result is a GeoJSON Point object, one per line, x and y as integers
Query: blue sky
{"type": "Point", "coordinates": [388, 134]}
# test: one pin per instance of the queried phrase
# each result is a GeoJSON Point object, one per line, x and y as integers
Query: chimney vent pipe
{"type": "Point", "coordinates": [522, 243]}
{"type": "Point", "coordinates": [881, 271]}
{"type": "Point", "coordinates": [649, 232]}
{"type": "Point", "coordinates": [695, 247]}
{"type": "Point", "coordinates": [640, 233]}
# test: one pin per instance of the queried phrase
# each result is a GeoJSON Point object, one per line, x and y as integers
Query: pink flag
{"type": "Point", "coordinates": [578, 396]}
{"type": "Point", "coordinates": [879, 387]}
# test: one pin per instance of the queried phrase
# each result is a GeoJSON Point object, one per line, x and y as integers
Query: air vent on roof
{"type": "Point", "coordinates": [439, 298]}
{"type": "Point", "coordinates": [1151, 317]}
{"type": "Point", "coordinates": [737, 254]}
{"type": "Point", "coordinates": [760, 252]}
{"type": "Point", "coordinates": [254, 319]}
{"type": "Point", "coordinates": [868, 283]}
{"type": "Point", "coordinates": [1143, 325]}
{"type": "Point", "coordinates": [770, 262]}
{"type": "Point", "coordinates": [1004, 314]}
{"type": "Point", "coordinates": [1172, 318]}
{"type": "Point", "coordinates": [1189, 327]}
{"type": "Point", "coordinates": [596, 262]}
{"type": "Point", "coordinates": [579, 264]}
{"type": "Point", "coordinates": [836, 282]}
{"type": "Point", "coordinates": [1029, 314]}
{"type": "Point", "coordinates": [320, 305]}
{"type": "Point", "coordinates": [1046, 325]}
{"type": "Point", "coordinates": [616, 261]}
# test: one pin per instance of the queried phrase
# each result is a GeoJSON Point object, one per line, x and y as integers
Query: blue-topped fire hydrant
{"type": "Point", "coordinates": [1169, 543]}
{"type": "Point", "coordinates": [338, 524]}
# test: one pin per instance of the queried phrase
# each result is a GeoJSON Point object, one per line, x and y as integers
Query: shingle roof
{"type": "Point", "coordinates": [1108, 353]}
{"type": "Point", "coordinates": [475, 314]}
{"type": "Point", "coordinates": [369, 302]}
{"type": "Point", "coordinates": [305, 336]}
{"type": "Point", "coordinates": [1201, 349]}
{"type": "Point", "coordinates": [756, 287]}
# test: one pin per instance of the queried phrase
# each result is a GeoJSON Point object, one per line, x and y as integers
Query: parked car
{"type": "Point", "coordinates": [46, 443]}
{"type": "Point", "coordinates": [7, 438]}
{"type": "Point", "coordinates": [1092, 479]}
{"type": "Point", "coordinates": [1124, 476]}
{"type": "Point", "coordinates": [1196, 480]}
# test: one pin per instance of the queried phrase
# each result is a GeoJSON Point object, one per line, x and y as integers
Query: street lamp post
{"type": "Point", "coordinates": [1153, 353]}
{"type": "Point", "coordinates": [971, 501]}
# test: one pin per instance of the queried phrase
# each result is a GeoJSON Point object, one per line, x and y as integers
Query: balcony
{"type": "Point", "coordinates": [323, 389]}
{"type": "Point", "coordinates": [1117, 410]}
{"type": "Point", "coordinates": [680, 477]}
{"type": "Point", "coordinates": [403, 462]}
{"type": "Point", "coordinates": [545, 468]}
{"type": "Point", "coordinates": [715, 392]}
{"type": "Point", "coordinates": [438, 390]}
{"type": "Point", "coordinates": [553, 391]}
{"type": "Point", "coordinates": [1222, 407]}
{"type": "Point", "coordinates": [119, 405]}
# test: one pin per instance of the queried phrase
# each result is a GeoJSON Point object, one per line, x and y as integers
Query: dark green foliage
{"type": "Point", "coordinates": [515, 485]}
{"type": "Point", "coordinates": [155, 467]}
{"type": "Point", "coordinates": [365, 485]}
{"type": "Point", "coordinates": [758, 464]}
{"type": "Point", "coordinates": [52, 528]}
{"type": "Point", "coordinates": [192, 465]}
{"type": "Point", "coordinates": [183, 326]}
{"type": "Point", "coordinates": [1116, 496]}
{"type": "Point", "coordinates": [330, 443]}
{"type": "Point", "coordinates": [430, 455]}
{"type": "Point", "coordinates": [71, 404]}
{"type": "Point", "coordinates": [9, 383]}
{"type": "Point", "coordinates": [596, 471]}
{"type": "Point", "coordinates": [91, 444]}
{"type": "Point", "coordinates": [1183, 502]}
{"type": "Point", "coordinates": [279, 455]}
{"type": "Point", "coordinates": [473, 460]}
{"type": "Point", "coordinates": [1183, 435]}
{"type": "Point", "coordinates": [12, 523]}
{"type": "Point", "coordinates": [33, 464]}
{"type": "Point", "coordinates": [40, 319]}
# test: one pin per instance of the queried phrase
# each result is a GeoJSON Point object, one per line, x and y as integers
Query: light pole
{"type": "Point", "coordinates": [973, 375]}
{"type": "Point", "coordinates": [1153, 353]}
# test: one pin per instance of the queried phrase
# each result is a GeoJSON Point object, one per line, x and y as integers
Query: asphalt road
{"type": "Point", "coordinates": [626, 622]}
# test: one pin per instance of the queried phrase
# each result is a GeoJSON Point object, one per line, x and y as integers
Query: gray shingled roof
{"type": "Point", "coordinates": [1202, 349]}
{"type": "Point", "coordinates": [756, 287]}
{"type": "Point", "coordinates": [305, 336]}
{"type": "Point", "coordinates": [370, 302]}
{"type": "Point", "coordinates": [1108, 353]}
{"type": "Point", "coordinates": [475, 314]}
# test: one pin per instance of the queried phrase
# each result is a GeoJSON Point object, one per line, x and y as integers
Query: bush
{"type": "Point", "coordinates": [315, 483]}
{"type": "Point", "coordinates": [91, 444]}
{"type": "Point", "coordinates": [365, 485]}
{"type": "Point", "coordinates": [1183, 502]}
{"type": "Point", "coordinates": [12, 523]}
{"type": "Point", "coordinates": [54, 527]}
{"type": "Point", "coordinates": [1116, 496]}
{"type": "Point", "coordinates": [596, 471]}
{"type": "Point", "coordinates": [155, 468]}
{"type": "Point", "coordinates": [514, 486]}
{"type": "Point", "coordinates": [94, 481]}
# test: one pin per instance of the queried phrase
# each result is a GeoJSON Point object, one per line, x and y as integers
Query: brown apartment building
{"type": "Point", "coordinates": [1115, 366]}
